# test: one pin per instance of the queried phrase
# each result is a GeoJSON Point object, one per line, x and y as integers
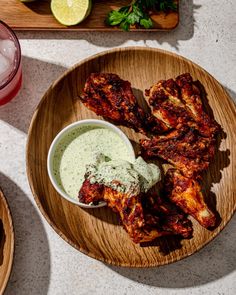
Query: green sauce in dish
{"type": "Point", "coordinates": [130, 178]}
{"type": "Point", "coordinates": [79, 148]}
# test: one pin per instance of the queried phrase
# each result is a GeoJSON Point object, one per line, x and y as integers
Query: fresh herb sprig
{"type": "Point", "coordinates": [137, 13]}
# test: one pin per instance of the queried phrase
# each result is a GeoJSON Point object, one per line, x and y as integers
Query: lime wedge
{"type": "Point", "coordinates": [71, 12]}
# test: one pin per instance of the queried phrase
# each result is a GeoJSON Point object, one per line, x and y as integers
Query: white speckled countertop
{"type": "Point", "coordinates": [44, 263]}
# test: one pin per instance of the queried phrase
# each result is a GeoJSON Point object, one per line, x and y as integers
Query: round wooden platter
{"type": "Point", "coordinates": [6, 242]}
{"type": "Point", "coordinates": [97, 232]}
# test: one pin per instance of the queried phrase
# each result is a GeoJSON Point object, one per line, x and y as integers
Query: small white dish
{"type": "Point", "coordinates": [65, 131]}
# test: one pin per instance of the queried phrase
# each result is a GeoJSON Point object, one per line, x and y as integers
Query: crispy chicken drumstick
{"type": "Point", "coordinates": [190, 95]}
{"type": "Point", "coordinates": [190, 143]}
{"type": "Point", "coordinates": [184, 148]}
{"type": "Point", "coordinates": [178, 103]}
{"type": "Point", "coordinates": [111, 97]}
{"type": "Point", "coordinates": [186, 193]}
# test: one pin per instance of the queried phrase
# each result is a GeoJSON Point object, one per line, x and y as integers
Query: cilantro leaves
{"type": "Point", "coordinates": [129, 15]}
{"type": "Point", "coordinates": [137, 13]}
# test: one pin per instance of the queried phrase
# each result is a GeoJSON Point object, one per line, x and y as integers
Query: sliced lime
{"type": "Point", "coordinates": [71, 12]}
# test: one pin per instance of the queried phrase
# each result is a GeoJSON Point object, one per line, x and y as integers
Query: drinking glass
{"type": "Point", "coordinates": [10, 64]}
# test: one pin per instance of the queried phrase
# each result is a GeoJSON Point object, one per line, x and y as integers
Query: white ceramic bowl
{"type": "Point", "coordinates": [57, 139]}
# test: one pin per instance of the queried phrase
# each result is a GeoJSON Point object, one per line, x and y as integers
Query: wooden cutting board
{"type": "Point", "coordinates": [37, 16]}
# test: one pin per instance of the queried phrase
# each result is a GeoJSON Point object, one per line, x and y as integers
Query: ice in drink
{"type": "Point", "coordinates": [10, 64]}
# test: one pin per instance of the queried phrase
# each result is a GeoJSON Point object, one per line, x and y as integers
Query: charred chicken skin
{"type": "Point", "coordinates": [141, 228]}
{"type": "Point", "coordinates": [191, 96]}
{"type": "Point", "coordinates": [186, 194]}
{"type": "Point", "coordinates": [171, 218]}
{"type": "Point", "coordinates": [178, 103]}
{"type": "Point", "coordinates": [163, 99]}
{"type": "Point", "coordinates": [144, 218]}
{"type": "Point", "coordinates": [111, 97]}
{"type": "Point", "coordinates": [129, 208]}
{"type": "Point", "coordinates": [189, 144]}
{"type": "Point", "coordinates": [184, 148]}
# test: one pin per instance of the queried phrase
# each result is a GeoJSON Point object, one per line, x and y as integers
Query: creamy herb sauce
{"type": "Point", "coordinates": [131, 178]}
{"type": "Point", "coordinates": [80, 147]}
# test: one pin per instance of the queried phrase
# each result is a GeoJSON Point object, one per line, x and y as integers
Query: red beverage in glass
{"type": "Point", "coordinates": [10, 64]}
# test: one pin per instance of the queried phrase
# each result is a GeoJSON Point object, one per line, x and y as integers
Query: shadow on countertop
{"type": "Point", "coordinates": [37, 77]}
{"type": "Point", "coordinates": [213, 262]}
{"type": "Point", "coordinates": [31, 264]}
{"type": "Point", "coordinates": [231, 93]}
{"type": "Point", "coordinates": [184, 31]}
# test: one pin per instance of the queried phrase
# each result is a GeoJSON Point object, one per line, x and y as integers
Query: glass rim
{"type": "Point", "coordinates": [18, 54]}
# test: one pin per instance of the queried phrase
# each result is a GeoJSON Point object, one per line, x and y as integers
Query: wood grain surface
{"type": "Point", "coordinates": [97, 232]}
{"type": "Point", "coordinates": [6, 243]}
{"type": "Point", "coordinates": [37, 16]}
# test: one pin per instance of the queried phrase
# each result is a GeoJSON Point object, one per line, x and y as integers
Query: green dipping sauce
{"type": "Point", "coordinates": [130, 178]}
{"type": "Point", "coordinates": [79, 148]}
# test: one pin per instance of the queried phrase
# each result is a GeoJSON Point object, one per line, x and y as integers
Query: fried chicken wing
{"type": "Point", "coordinates": [91, 192]}
{"type": "Point", "coordinates": [129, 208]}
{"type": "Point", "coordinates": [191, 96]}
{"type": "Point", "coordinates": [165, 103]}
{"type": "Point", "coordinates": [141, 228]}
{"type": "Point", "coordinates": [178, 103]}
{"type": "Point", "coordinates": [186, 193]}
{"type": "Point", "coordinates": [170, 217]}
{"type": "Point", "coordinates": [184, 148]}
{"type": "Point", "coordinates": [111, 97]}
{"type": "Point", "coordinates": [143, 223]}
{"type": "Point", "coordinates": [190, 142]}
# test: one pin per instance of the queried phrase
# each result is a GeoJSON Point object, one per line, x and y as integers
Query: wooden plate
{"type": "Point", "coordinates": [6, 243]}
{"type": "Point", "coordinates": [97, 232]}
{"type": "Point", "coordinates": [37, 16]}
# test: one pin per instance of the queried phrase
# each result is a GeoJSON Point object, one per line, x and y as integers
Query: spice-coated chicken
{"type": "Point", "coordinates": [189, 145]}
{"type": "Point", "coordinates": [171, 218]}
{"type": "Point", "coordinates": [141, 228]}
{"type": "Point", "coordinates": [184, 148]}
{"type": "Point", "coordinates": [144, 218]}
{"type": "Point", "coordinates": [111, 97]}
{"type": "Point", "coordinates": [178, 103]}
{"type": "Point", "coordinates": [186, 193]}
{"type": "Point", "coordinates": [129, 208]}
{"type": "Point", "coordinates": [191, 96]}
